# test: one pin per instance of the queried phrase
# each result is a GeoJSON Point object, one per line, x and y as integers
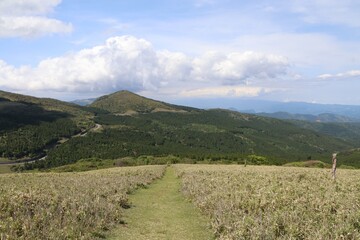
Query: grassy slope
{"type": "Point", "coordinates": [161, 212]}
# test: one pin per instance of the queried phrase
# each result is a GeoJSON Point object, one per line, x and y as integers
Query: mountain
{"type": "Point", "coordinates": [324, 117]}
{"type": "Point", "coordinates": [212, 134]}
{"type": "Point", "coordinates": [47, 104]}
{"type": "Point", "coordinates": [258, 106]}
{"type": "Point", "coordinates": [83, 102]}
{"type": "Point", "coordinates": [135, 125]}
{"type": "Point", "coordinates": [342, 127]}
{"type": "Point", "coordinates": [28, 124]}
{"type": "Point", "coordinates": [349, 132]}
{"type": "Point", "coordinates": [264, 106]}
{"type": "Point", "coordinates": [125, 102]}
{"type": "Point", "coordinates": [132, 125]}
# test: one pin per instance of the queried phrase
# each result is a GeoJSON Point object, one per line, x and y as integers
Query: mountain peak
{"type": "Point", "coordinates": [126, 102]}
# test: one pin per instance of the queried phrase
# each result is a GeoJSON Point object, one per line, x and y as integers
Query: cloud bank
{"type": "Point", "coordinates": [19, 18]}
{"type": "Point", "coordinates": [130, 63]}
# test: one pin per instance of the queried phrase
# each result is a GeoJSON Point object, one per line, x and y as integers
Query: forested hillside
{"type": "Point", "coordinates": [213, 134]}
{"type": "Point", "coordinates": [29, 125]}
{"type": "Point", "coordinates": [349, 132]}
{"type": "Point", "coordinates": [323, 117]}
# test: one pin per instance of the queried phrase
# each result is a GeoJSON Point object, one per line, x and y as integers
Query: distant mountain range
{"type": "Point", "coordinates": [262, 106]}
{"type": "Point", "coordinates": [350, 111]}
{"type": "Point", "coordinates": [84, 102]}
{"type": "Point", "coordinates": [323, 117]}
{"type": "Point", "coordinates": [282, 110]}
{"type": "Point", "coordinates": [132, 125]}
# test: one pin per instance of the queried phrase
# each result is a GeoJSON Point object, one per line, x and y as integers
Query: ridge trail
{"type": "Point", "coordinates": [162, 212]}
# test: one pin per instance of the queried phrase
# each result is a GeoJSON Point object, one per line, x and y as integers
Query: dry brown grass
{"type": "Point", "coordinates": [275, 202]}
{"type": "Point", "coordinates": [68, 205]}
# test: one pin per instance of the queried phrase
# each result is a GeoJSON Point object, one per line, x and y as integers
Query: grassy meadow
{"type": "Point", "coordinates": [68, 205]}
{"type": "Point", "coordinates": [262, 202]}
{"type": "Point", "coordinates": [238, 202]}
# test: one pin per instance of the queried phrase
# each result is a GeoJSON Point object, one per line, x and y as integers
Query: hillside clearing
{"type": "Point", "coordinates": [162, 212]}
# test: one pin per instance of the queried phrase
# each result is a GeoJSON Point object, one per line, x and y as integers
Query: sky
{"type": "Point", "coordinates": [183, 51]}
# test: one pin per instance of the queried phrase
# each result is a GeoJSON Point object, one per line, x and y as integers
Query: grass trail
{"type": "Point", "coordinates": [162, 212]}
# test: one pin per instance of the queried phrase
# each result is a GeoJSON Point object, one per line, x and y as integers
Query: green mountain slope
{"type": "Point", "coordinates": [213, 134]}
{"type": "Point", "coordinates": [47, 104]}
{"type": "Point", "coordinates": [323, 117]}
{"type": "Point", "coordinates": [28, 124]}
{"type": "Point", "coordinates": [125, 102]}
{"type": "Point", "coordinates": [349, 132]}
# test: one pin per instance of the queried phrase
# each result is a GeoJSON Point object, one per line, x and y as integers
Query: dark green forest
{"type": "Point", "coordinates": [212, 134]}
{"type": "Point", "coordinates": [27, 129]}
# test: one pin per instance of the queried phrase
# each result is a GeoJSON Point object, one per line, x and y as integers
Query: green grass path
{"type": "Point", "coordinates": [162, 212]}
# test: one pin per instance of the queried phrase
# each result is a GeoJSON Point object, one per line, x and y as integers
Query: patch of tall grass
{"type": "Point", "coordinates": [68, 205]}
{"type": "Point", "coordinates": [260, 202]}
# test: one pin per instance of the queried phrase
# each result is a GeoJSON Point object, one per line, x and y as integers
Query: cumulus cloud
{"type": "Point", "coordinates": [130, 63]}
{"type": "Point", "coordinates": [20, 18]}
{"type": "Point", "coordinates": [237, 67]}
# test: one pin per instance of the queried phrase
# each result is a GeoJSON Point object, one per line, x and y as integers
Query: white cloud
{"type": "Point", "coordinates": [224, 91]}
{"type": "Point", "coordinates": [311, 51]}
{"type": "Point", "coordinates": [130, 63]}
{"type": "Point", "coordinates": [238, 67]}
{"type": "Point", "coordinates": [19, 18]}
{"type": "Point", "coordinates": [31, 26]}
{"type": "Point", "coordinates": [346, 75]}
{"type": "Point", "coordinates": [27, 7]}
{"type": "Point", "coordinates": [325, 76]}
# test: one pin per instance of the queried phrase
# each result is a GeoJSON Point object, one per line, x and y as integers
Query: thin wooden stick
{"type": "Point", "coordinates": [333, 171]}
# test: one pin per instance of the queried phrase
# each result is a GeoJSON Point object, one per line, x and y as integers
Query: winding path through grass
{"type": "Point", "coordinates": [162, 212]}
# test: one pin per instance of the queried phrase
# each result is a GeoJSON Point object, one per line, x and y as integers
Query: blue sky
{"type": "Point", "coordinates": [177, 51]}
